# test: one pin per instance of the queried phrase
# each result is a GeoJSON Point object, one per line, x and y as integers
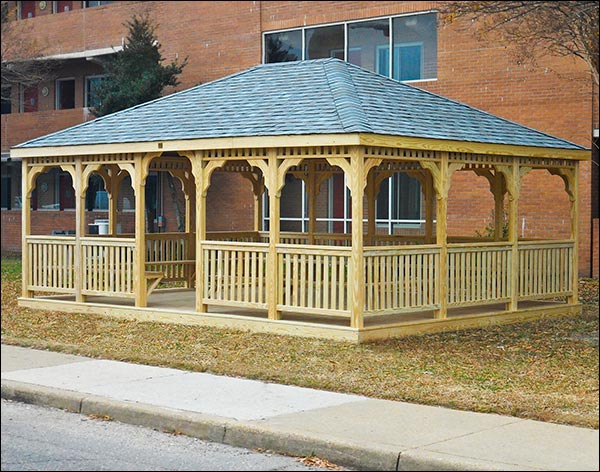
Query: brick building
{"type": "Point", "coordinates": [221, 38]}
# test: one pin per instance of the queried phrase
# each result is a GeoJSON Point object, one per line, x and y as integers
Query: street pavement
{"type": "Point", "coordinates": [349, 430]}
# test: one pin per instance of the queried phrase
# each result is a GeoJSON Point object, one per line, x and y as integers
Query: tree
{"type": "Point", "coordinates": [559, 28]}
{"type": "Point", "coordinates": [22, 58]}
{"type": "Point", "coordinates": [135, 75]}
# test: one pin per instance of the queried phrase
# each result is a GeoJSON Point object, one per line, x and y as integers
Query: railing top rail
{"type": "Point", "coordinates": [497, 244]}
{"type": "Point", "coordinates": [208, 244]}
{"type": "Point", "coordinates": [391, 250]}
{"type": "Point", "coordinates": [547, 242]}
{"type": "Point", "coordinates": [50, 239]}
{"type": "Point", "coordinates": [176, 235]}
{"type": "Point", "coordinates": [313, 249]}
{"type": "Point", "coordinates": [108, 242]}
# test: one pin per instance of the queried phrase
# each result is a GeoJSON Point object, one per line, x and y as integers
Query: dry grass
{"type": "Point", "coordinates": [545, 370]}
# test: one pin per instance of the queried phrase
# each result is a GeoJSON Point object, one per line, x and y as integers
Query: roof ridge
{"type": "Point", "coordinates": [345, 97]}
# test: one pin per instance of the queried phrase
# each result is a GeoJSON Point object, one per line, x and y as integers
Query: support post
{"type": "Point", "coordinates": [574, 199]}
{"type": "Point", "coordinates": [512, 177]}
{"type": "Point", "coordinates": [79, 186]}
{"type": "Point", "coordinates": [357, 181]}
{"type": "Point", "coordinates": [274, 235]}
{"type": "Point", "coordinates": [198, 170]}
{"type": "Point", "coordinates": [25, 228]}
{"type": "Point", "coordinates": [139, 270]}
{"type": "Point", "coordinates": [312, 191]}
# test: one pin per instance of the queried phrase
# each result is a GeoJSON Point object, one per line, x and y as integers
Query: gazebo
{"type": "Point", "coordinates": [310, 119]}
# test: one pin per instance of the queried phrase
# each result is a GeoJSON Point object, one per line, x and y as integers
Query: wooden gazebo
{"type": "Point", "coordinates": [311, 119]}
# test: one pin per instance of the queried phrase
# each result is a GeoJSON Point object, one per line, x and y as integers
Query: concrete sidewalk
{"type": "Point", "coordinates": [350, 430]}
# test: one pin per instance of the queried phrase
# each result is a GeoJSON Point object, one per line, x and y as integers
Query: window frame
{"type": "Point", "coordinates": [390, 18]}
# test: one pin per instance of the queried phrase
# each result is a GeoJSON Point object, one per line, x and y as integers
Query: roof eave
{"type": "Point", "coordinates": [347, 139]}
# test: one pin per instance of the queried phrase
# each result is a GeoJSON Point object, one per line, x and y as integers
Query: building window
{"type": "Point", "coordinates": [96, 197]}
{"type": "Point", "coordinates": [26, 10]}
{"type": "Point", "coordinates": [365, 41]}
{"type": "Point", "coordinates": [65, 94]}
{"type": "Point", "coordinates": [28, 99]}
{"type": "Point", "coordinates": [60, 7]}
{"type": "Point", "coordinates": [53, 191]}
{"type": "Point", "coordinates": [399, 202]}
{"type": "Point", "coordinates": [91, 85]}
{"type": "Point", "coordinates": [6, 101]}
{"type": "Point", "coordinates": [283, 47]}
{"type": "Point", "coordinates": [325, 41]}
{"type": "Point", "coordinates": [94, 4]}
{"type": "Point", "coordinates": [5, 190]}
{"type": "Point", "coordinates": [413, 38]}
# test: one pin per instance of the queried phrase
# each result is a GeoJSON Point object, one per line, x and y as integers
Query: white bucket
{"type": "Point", "coordinates": [102, 226]}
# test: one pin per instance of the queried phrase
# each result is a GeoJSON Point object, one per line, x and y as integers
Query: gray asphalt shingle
{"type": "Point", "coordinates": [324, 96]}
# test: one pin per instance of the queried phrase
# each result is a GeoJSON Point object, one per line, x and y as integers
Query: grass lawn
{"type": "Point", "coordinates": [545, 370]}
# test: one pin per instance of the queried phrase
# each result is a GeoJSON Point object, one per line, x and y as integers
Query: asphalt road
{"type": "Point", "coordinates": [39, 438]}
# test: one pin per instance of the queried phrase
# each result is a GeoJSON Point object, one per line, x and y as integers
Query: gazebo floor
{"type": "Point", "coordinates": [177, 306]}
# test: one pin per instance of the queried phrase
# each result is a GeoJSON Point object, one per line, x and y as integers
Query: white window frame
{"type": "Point", "coordinates": [346, 23]}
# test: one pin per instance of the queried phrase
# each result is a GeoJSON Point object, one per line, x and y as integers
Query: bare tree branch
{"type": "Point", "coordinates": [535, 28]}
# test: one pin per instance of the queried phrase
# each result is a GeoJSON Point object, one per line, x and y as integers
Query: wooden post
{"type": "Point", "coordinates": [25, 227]}
{"type": "Point", "coordinates": [498, 190]}
{"type": "Point", "coordinates": [312, 191]}
{"type": "Point", "coordinates": [274, 234]}
{"type": "Point", "coordinates": [442, 236]}
{"type": "Point", "coordinates": [371, 203]}
{"type": "Point", "coordinates": [357, 182]}
{"type": "Point", "coordinates": [199, 177]}
{"type": "Point", "coordinates": [79, 186]}
{"type": "Point", "coordinates": [574, 199]}
{"type": "Point", "coordinates": [139, 188]}
{"type": "Point", "coordinates": [113, 196]}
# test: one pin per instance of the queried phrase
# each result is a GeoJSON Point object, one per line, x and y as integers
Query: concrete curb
{"type": "Point", "coordinates": [238, 433]}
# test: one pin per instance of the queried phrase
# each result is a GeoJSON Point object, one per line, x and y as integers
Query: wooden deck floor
{"type": "Point", "coordinates": [177, 306]}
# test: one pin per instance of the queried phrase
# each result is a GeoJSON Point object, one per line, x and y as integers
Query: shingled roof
{"type": "Point", "coordinates": [324, 96]}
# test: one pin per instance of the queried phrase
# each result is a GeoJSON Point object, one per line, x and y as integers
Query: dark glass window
{"type": "Point", "coordinates": [6, 100]}
{"type": "Point", "coordinates": [283, 47]}
{"type": "Point", "coordinates": [326, 41]}
{"type": "Point", "coordinates": [65, 94]}
{"type": "Point", "coordinates": [5, 191]}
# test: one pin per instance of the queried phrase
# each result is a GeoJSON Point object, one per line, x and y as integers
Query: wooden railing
{"type": "Point", "coordinates": [235, 274]}
{"type": "Point", "coordinates": [313, 279]}
{"type": "Point", "coordinates": [545, 269]}
{"type": "Point", "coordinates": [478, 273]}
{"type": "Point", "coordinates": [402, 278]}
{"type": "Point", "coordinates": [171, 253]}
{"type": "Point", "coordinates": [108, 265]}
{"type": "Point", "coordinates": [51, 263]}
{"type": "Point", "coordinates": [237, 236]}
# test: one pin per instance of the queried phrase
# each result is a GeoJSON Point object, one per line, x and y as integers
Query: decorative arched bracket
{"type": "Point", "coordinates": [569, 177]}
{"type": "Point", "coordinates": [512, 180]}
{"type": "Point", "coordinates": [441, 183]}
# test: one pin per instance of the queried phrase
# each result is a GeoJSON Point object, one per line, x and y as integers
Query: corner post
{"type": "Point", "coordinates": [357, 182]}
{"type": "Point", "coordinates": [274, 233]}
{"type": "Point", "coordinates": [25, 228]}
{"type": "Point", "coordinates": [79, 186]}
{"type": "Point", "coordinates": [139, 270]}
{"type": "Point", "coordinates": [574, 200]}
